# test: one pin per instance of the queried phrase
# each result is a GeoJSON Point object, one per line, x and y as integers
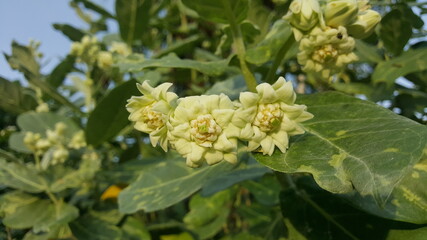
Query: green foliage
{"type": "Point", "coordinates": [358, 172]}
{"type": "Point", "coordinates": [110, 115]}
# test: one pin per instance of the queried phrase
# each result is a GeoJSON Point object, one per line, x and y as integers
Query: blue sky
{"type": "Point", "coordinates": [22, 20]}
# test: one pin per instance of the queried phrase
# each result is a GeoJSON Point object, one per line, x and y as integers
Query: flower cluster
{"type": "Point", "coordinates": [326, 32]}
{"type": "Point", "coordinates": [88, 50]}
{"type": "Point", "coordinates": [212, 128]}
{"type": "Point", "coordinates": [54, 147]}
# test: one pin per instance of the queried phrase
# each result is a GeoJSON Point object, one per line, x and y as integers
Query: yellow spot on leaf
{"type": "Point", "coordinates": [391, 150]}
{"type": "Point", "coordinates": [415, 175]}
{"type": "Point", "coordinates": [337, 159]}
{"type": "Point", "coordinates": [412, 197]}
{"type": "Point", "coordinates": [111, 192]}
{"type": "Point", "coordinates": [340, 133]}
{"type": "Point", "coordinates": [395, 202]}
{"type": "Point", "coordinates": [420, 166]}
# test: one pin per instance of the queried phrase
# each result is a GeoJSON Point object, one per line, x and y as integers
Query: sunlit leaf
{"type": "Point", "coordinates": [352, 144]}
{"type": "Point", "coordinates": [160, 187]}
{"type": "Point", "coordinates": [409, 62]}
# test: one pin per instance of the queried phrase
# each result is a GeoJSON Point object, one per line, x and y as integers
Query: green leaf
{"type": "Point", "coordinates": [133, 229]}
{"type": "Point", "coordinates": [232, 87]}
{"type": "Point", "coordinates": [352, 144]}
{"type": "Point", "coordinates": [266, 191]}
{"type": "Point", "coordinates": [23, 57]}
{"type": "Point", "coordinates": [395, 31]}
{"type": "Point", "coordinates": [133, 17]}
{"type": "Point", "coordinates": [273, 41]}
{"type": "Point", "coordinates": [166, 184]}
{"type": "Point", "coordinates": [245, 171]}
{"type": "Point", "coordinates": [207, 215]}
{"type": "Point", "coordinates": [91, 228]}
{"type": "Point", "coordinates": [69, 31]}
{"type": "Point", "coordinates": [57, 76]}
{"type": "Point", "coordinates": [110, 115]}
{"type": "Point", "coordinates": [409, 62]}
{"type": "Point", "coordinates": [219, 11]}
{"type": "Point", "coordinates": [15, 99]}
{"type": "Point", "coordinates": [367, 53]}
{"type": "Point", "coordinates": [26, 211]}
{"type": "Point", "coordinates": [63, 178]}
{"type": "Point", "coordinates": [408, 201]}
{"type": "Point", "coordinates": [96, 8]}
{"type": "Point", "coordinates": [214, 68]}
{"type": "Point", "coordinates": [413, 234]}
{"type": "Point", "coordinates": [318, 214]}
{"type": "Point", "coordinates": [21, 176]}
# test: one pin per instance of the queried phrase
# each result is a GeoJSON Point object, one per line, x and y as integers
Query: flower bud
{"type": "Point", "coordinates": [365, 24]}
{"type": "Point", "coordinates": [303, 14]}
{"type": "Point", "coordinates": [340, 12]}
{"type": "Point", "coordinates": [105, 59]}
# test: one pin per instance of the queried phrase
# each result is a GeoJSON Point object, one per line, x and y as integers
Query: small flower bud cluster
{"type": "Point", "coordinates": [54, 147]}
{"type": "Point", "coordinates": [208, 128]}
{"type": "Point", "coordinates": [88, 50]}
{"type": "Point", "coordinates": [326, 33]}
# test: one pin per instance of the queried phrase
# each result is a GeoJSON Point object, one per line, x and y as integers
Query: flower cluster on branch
{"type": "Point", "coordinates": [212, 128]}
{"type": "Point", "coordinates": [326, 33]}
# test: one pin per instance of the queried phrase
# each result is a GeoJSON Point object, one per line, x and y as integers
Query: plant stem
{"type": "Point", "coordinates": [240, 47]}
{"type": "Point", "coordinates": [37, 160]}
{"type": "Point", "coordinates": [271, 75]}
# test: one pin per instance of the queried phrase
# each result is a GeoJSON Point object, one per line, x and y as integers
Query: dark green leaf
{"type": "Point", "coordinates": [415, 234]}
{"type": "Point", "coordinates": [172, 61]}
{"type": "Point", "coordinates": [245, 171]}
{"type": "Point", "coordinates": [367, 53]}
{"type": "Point", "coordinates": [133, 17]}
{"type": "Point", "coordinates": [60, 71]}
{"type": "Point", "coordinates": [273, 41]}
{"type": "Point", "coordinates": [110, 115]}
{"type": "Point", "coordinates": [266, 191]}
{"type": "Point", "coordinates": [395, 31]}
{"type": "Point", "coordinates": [219, 11]}
{"type": "Point", "coordinates": [409, 62]}
{"type": "Point", "coordinates": [15, 99]}
{"type": "Point", "coordinates": [96, 8]}
{"type": "Point", "coordinates": [318, 214]}
{"type": "Point", "coordinates": [352, 144]}
{"type": "Point", "coordinates": [159, 187]}
{"type": "Point", "coordinates": [91, 228]}
{"type": "Point", "coordinates": [71, 32]}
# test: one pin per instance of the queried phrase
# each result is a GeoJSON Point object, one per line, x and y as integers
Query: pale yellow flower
{"type": "Point", "coordinates": [270, 116]}
{"type": "Point", "coordinates": [200, 130]}
{"type": "Point", "coordinates": [150, 112]}
{"type": "Point", "coordinates": [326, 52]}
{"type": "Point", "coordinates": [340, 12]}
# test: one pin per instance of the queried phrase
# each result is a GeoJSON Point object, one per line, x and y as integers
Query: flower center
{"type": "Point", "coordinates": [205, 130]}
{"type": "Point", "coordinates": [325, 53]}
{"type": "Point", "coordinates": [268, 117]}
{"type": "Point", "coordinates": [154, 120]}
